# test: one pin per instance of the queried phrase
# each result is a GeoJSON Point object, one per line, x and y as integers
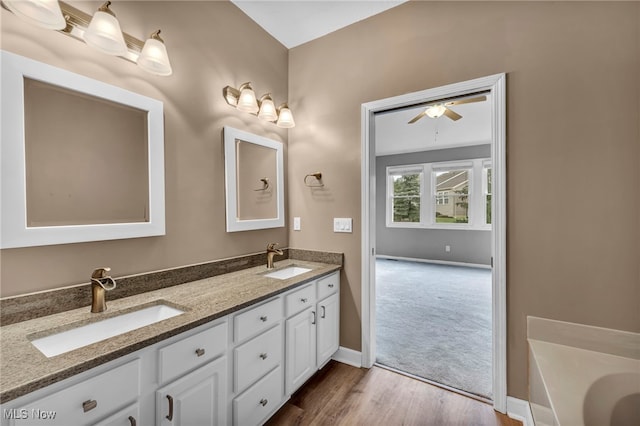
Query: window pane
{"type": "Point", "coordinates": [406, 184]}
{"type": "Point", "coordinates": [452, 196]}
{"type": "Point", "coordinates": [406, 209]}
{"type": "Point", "coordinates": [488, 196]}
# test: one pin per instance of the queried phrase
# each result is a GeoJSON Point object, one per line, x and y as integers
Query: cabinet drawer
{"type": "Point", "coordinates": [87, 401]}
{"type": "Point", "coordinates": [256, 357]}
{"type": "Point", "coordinates": [328, 285]}
{"type": "Point", "coordinates": [129, 416]}
{"type": "Point", "coordinates": [259, 401]}
{"type": "Point", "coordinates": [190, 352]}
{"type": "Point", "coordinates": [300, 299]}
{"type": "Point", "coordinates": [256, 319]}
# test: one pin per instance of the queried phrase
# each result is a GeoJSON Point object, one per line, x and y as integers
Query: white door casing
{"type": "Point", "coordinates": [496, 84]}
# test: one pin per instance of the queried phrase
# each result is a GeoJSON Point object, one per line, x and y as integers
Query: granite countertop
{"type": "Point", "coordinates": [25, 369]}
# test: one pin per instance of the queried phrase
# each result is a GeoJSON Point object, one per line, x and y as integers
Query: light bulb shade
{"type": "Point", "coordinates": [285, 118]}
{"type": "Point", "coordinates": [435, 111]}
{"type": "Point", "coordinates": [43, 13]}
{"type": "Point", "coordinates": [154, 58]}
{"type": "Point", "coordinates": [247, 101]}
{"type": "Point", "coordinates": [267, 109]}
{"type": "Point", "coordinates": [104, 34]}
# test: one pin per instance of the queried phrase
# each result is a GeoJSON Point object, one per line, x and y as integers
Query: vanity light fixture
{"type": "Point", "coordinates": [43, 13]}
{"type": "Point", "coordinates": [244, 99]}
{"type": "Point", "coordinates": [101, 31]}
{"type": "Point", "coordinates": [104, 32]}
{"type": "Point", "coordinates": [154, 58]}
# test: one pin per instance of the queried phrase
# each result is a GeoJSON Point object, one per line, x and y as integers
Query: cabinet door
{"type": "Point", "coordinates": [328, 328]}
{"type": "Point", "coordinates": [197, 399]}
{"type": "Point", "coordinates": [301, 348]}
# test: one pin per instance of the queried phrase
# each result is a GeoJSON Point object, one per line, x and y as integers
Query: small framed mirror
{"type": "Point", "coordinates": [254, 180]}
{"type": "Point", "coordinates": [81, 160]}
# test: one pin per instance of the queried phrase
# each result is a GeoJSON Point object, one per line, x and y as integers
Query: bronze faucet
{"type": "Point", "coordinates": [272, 251]}
{"type": "Point", "coordinates": [100, 282]}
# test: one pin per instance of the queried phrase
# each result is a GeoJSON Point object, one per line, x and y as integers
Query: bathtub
{"type": "Point", "coordinates": [583, 376]}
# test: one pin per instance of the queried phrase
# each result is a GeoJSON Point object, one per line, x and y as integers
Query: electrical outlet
{"type": "Point", "coordinates": [296, 223]}
{"type": "Point", "coordinates": [447, 248]}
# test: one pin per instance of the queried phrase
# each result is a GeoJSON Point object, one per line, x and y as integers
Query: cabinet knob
{"type": "Point", "coordinates": [263, 355]}
{"type": "Point", "coordinates": [330, 285]}
{"type": "Point", "coordinates": [132, 420]}
{"type": "Point", "coordinates": [199, 351]}
{"type": "Point", "coordinates": [263, 318]}
{"type": "Point", "coordinates": [304, 300]}
{"type": "Point", "coordinates": [264, 401]}
{"type": "Point", "coordinates": [89, 405]}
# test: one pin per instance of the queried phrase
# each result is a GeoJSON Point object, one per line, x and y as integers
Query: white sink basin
{"type": "Point", "coordinates": [290, 272]}
{"type": "Point", "coordinates": [84, 335]}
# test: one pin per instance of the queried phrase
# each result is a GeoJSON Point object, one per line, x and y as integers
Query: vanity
{"type": "Point", "coordinates": [244, 342]}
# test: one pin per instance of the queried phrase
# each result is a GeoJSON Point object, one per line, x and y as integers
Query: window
{"type": "Point", "coordinates": [440, 195]}
{"type": "Point", "coordinates": [454, 206]}
{"type": "Point", "coordinates": [406, 190]}
{"type": "Point", "coordinates": [487, 190]}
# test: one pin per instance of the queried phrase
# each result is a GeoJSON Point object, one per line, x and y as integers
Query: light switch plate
{"type": "Point", "coordinates": [296, 223]}
{"type": "Point", "coordinates": [342, 224]}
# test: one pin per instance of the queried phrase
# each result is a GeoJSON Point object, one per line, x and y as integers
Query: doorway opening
{"type": "Point", "coordinates": [467, 210]}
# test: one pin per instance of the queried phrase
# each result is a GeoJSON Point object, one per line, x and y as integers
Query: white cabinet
{"type": "Point", "coordinates": [197, 399]}
{"type": "Point", "coordinates": [313, 335]}
{"type": "Point", "coordinates": [129, 416]}
{"type": "Point", "coordinates": [328, 328]}
{"type": "Point", "coordinates": [85, 402]}
{"type": "Point", "coordinates": [259, 401]}
{"type": "Point", "coordinates": [301, 348]}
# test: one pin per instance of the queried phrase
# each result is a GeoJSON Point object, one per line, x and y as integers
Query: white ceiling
{"type": "Point", "coordinates": [395, 136]}
{"type": "Point", "coordinates": [295, 22]}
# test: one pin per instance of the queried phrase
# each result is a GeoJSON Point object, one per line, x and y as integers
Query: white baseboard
{"type": "Point", "coordinates": [519, 409]}
{"type": "Point", "coordinates": [348, 356]}
{"type": "Point", "coordinates": [439, 262]}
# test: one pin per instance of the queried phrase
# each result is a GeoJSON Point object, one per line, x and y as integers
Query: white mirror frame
{"type": "Point", "coordinates": [14, 231]}
{"type": "Point", "coordinates": [234, 224]}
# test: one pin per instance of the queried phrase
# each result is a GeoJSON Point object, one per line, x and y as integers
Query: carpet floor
{"type": "Point", "coordinates": [434, 321]}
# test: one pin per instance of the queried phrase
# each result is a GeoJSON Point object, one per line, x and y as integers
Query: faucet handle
{"type": "Point", "coordinates": [100, 273]}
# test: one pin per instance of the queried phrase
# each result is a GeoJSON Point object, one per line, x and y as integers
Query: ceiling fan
{"type": "Point", "coordinates": [442, 108]}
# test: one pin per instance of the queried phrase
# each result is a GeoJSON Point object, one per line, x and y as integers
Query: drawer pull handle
{"type": "Point", "coordinates": [89, 405]}
{"type": "Point", "coordinates": [132, 420]}
{"type": "Point", "coordinates": [264, 401]}
{"type": "Point", "coordinates": [324, 312]}
{"type": "Point", "coordinates": [330, 285]}
{"type": "Point", "coordinates": [313, 321]}
{"type": "Point", "coordinates": [199, 351]}
{"type": "Point", "coordinates": [263, 355]}
{"type": "Point", "coordinates": [263, 318]}
{"type": "Point", "coordinates": [170, 415]}
{"type": "Point", "coordinates": [304, 300]}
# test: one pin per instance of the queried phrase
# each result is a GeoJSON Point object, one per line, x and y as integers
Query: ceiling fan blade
{"type": "Point", "coordinates": [418, 117]}
{"type": "Point", "coordinates": [467, 101]}
{"type": "Point", "coordinates": [452, 114]}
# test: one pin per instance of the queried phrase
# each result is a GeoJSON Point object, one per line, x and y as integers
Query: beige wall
{"type": "Point", "coordinates": [573, 110]}
{"type": "Point", "coordinates": [211, 45]}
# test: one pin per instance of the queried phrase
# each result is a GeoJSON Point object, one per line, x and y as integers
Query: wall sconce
{"type": "Point", "coordinates": [100, 31]}
{"type": "Point", "coordinates": [244, 99]}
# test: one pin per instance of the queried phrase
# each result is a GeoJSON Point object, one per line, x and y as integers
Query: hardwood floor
{"type": "Point", "coordinates": [343, 395]}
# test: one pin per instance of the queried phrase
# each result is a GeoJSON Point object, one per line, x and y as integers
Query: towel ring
{"type": "Point", "coordinates": [318, 177]}
{"type": "Point", "coordinates": [265, 184]}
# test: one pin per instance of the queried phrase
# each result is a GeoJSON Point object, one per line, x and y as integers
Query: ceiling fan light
{"type": "Point", "coordinates": [435, 111]}
{"type": "Point", "coordinates": [43, 13]}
